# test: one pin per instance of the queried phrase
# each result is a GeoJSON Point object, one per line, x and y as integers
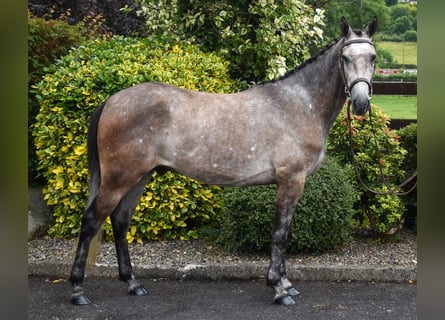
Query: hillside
{"type": "Point", "coordinates": [403, 52]}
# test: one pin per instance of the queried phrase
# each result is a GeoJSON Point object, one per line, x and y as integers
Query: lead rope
{"type": "Point", "coordinates": [377, 149]}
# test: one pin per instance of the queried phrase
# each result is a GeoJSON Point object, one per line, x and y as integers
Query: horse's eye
{"type": "Point", "coordinates": [346, 58]}
{"type": "Point", "coordinates": [373, 56]}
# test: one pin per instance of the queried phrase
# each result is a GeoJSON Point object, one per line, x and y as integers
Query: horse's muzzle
{"type": "Point", "coordinates": [360, 105]}
{"type": "Point", "coordinates": [360, 99]}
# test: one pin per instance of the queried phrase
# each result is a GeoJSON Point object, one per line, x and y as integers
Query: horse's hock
{"type": "Point", "coordinates": [39, 215]}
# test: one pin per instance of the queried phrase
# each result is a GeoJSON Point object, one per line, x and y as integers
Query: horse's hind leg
{"type": "Point", "coordinates": [90, 225]}
{"type": "Point", "coordinates": [94, 216]}
{"type": "Point", "coordinates": [120, 220]}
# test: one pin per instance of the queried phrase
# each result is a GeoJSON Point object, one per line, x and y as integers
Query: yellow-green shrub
{"type": "Point", "coordinates": [172, 206]}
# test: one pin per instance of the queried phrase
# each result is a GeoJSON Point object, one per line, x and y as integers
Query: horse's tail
{"type": "Point", "coordinates": [93, 155]}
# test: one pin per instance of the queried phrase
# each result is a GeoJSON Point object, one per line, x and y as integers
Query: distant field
{"type": "Point", "coordinates": [400, 49]}
{"type": "Point", "coordinates": [397, 107]}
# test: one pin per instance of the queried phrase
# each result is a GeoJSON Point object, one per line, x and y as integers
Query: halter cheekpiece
{"type": "Point", "coordinates": [354, 82]}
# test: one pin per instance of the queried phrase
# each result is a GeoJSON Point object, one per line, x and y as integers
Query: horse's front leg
{"type": "Point", "coordinates": [287, 198]}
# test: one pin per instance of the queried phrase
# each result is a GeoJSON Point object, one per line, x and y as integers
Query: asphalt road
{"type": "Point", "coordinates": [48, 299]}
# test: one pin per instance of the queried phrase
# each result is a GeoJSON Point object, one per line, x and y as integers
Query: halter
{"type": "Point", "coordinates": [342, 71]}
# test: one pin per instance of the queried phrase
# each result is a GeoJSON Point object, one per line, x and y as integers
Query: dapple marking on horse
{"type": "Point", "coordinates": [273, 132]}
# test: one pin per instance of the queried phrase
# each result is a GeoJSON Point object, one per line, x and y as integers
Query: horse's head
{"type": "Point", "coordinates": [357, 64]}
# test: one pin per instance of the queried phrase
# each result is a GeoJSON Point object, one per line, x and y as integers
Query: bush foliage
{"type": "Point", "coordinates": [382, 214]}
{"type": "Point", "coordinates": [411, 35]}
{"type": "Point", "coordinates": [81, 81]}
{"type": "Point", "coordinates": [408, 140]}
{"type": "Point", "coordinates": [261, 39]}
{"type": "Point", "coordinates": [322, 220]}
{"type": "Point", "coordinates": [47, 41]}
{"type": "Point", "coordinates": [112, 18]}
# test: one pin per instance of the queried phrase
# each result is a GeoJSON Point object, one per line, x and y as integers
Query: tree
{"type": "Point", "coordinates": [357, 12]}
{"type": "Point", "coordinates": [401, 25]}
{"type": "Point", "coordinates": [406, 11]}
{"type": "Point", "coordinates": [261, 38]}
{"type": "Point", "coordinates": [399, 11]}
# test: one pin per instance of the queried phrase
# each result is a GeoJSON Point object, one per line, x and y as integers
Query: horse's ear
{"type": "Point", "coordinates": [372, 27]}
{"type": "Point", "coordinates": [345, 28]}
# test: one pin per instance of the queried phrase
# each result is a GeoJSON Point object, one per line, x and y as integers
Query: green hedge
{"type": "Point", "coordinates": [322, 220]}
{"type": "Point", "coordinates": [408, 140]}
{"type": "Point", "coordinates": [411, 35]}
{"type": "Point", "coordinates": [81, 81]}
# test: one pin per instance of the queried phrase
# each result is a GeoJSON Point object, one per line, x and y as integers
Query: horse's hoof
{"type": "Point", "coordinates": [80, 299]}
{"type": "Point", "coordinates": [293, 292]}
{"type": "Point", "coordinates": [285, 301]}
{"type": "Point", "coordinates": [139, 291]}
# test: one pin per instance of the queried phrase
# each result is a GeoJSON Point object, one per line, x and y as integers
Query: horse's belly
{"type": "Point", "coordinates": [232, 178]}
{"type": "Point", "coordinates": [224, 170]}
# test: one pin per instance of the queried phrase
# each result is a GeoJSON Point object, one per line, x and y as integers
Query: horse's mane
{"type": "Point", "coordinates": [307, 62]}
{"type": "Point", "coordinates": [304, 63]}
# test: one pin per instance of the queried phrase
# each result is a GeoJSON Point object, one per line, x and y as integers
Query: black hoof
{"type": "Point", "coordinates": [293, 292]}
{"type": "Point", "coordinates": [80, 299]}
{"type": "Point", "coordinates": [139, 291]}
{"type": "Point", "coordinates": [285, 301]}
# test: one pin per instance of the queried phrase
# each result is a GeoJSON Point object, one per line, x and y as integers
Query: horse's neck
{"type": "Point", "coordinates": [323, 80]}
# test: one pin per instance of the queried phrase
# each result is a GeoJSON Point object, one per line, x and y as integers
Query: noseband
{"type": "Point", "coordinates": [349, 87]}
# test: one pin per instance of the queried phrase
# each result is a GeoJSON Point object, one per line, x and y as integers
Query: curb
{"type": "Point", "coordinates": [243, 271]}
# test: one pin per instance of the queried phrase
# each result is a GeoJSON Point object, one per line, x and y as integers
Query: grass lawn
{"type": "Point", "coordinates": [402, 52]}
{"type": "Point", "coordinates": [397, 107]}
